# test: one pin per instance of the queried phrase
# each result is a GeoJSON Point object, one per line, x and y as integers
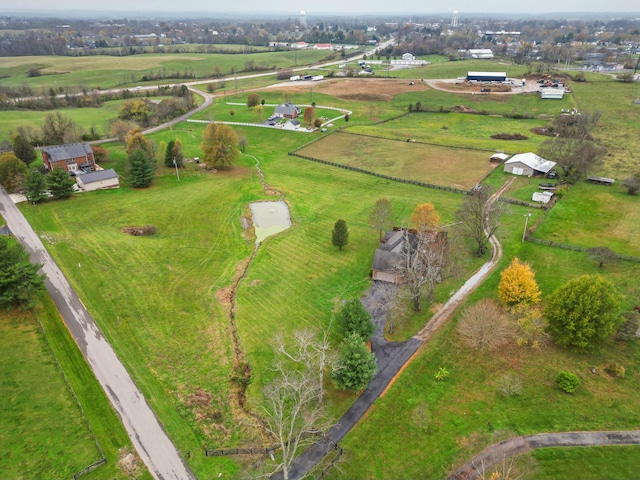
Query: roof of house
{"type": "Point", "coordinates": [98, 176]}
{"type": "Point", "coordinates": [286, 108]}
{"type": "Point", "coordinates": [66, 152]}
{"type": "Point", "coordinates": [294, 122]}
{"type": "Point", "coordinates": [386, 261]}
{"type": "Point", "coordinates": [533, 161]}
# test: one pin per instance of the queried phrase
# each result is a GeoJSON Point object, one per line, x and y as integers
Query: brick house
{"type": "Point", "coordinates": [71, 157]}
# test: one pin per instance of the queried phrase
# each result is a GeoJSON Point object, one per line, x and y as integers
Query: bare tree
{"type": "Point", "coordinates": [483, 326]}
{"type": "Point", "coordinates": [59, 129]}
{"type": "Point", "coordinates": [421, 262]}
{"type": "Point", "coordinates": [311, 350]}
{"type": "Point", "coordinates": [384, 300]}
{"type": "Point", "coordinates": [293, 411]}
{"type": "Point", "coordinates": [480, 217]}
{"type": "Point", "coordinates": [576, 156]}
{"type": "Point", "coordinates": [602, 255]}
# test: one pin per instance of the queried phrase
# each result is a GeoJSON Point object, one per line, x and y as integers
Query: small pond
{"type": "Point", "coordinates": [269, 218]}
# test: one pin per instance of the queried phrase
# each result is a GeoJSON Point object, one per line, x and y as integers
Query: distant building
{"type": "Point", "coordinates": [408, 59]}
{"type": "Point", "coordinates": [72, 157]}
{"type": "Point", "coordinates": [480, 53]}
{"type": "Point", "coordinates": [554, 93]}
{"type": "Point", "coordinates": [486, 76]}
{"type": "Point", "coordinates": [528, 164]}
{"type": "Point", "coordinates": [300, 45]}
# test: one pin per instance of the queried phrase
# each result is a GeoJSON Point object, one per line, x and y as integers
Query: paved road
{"type": "Point", "coordinates": [147, 434]}
{"type": "Point", "coordinates": [493, 454]}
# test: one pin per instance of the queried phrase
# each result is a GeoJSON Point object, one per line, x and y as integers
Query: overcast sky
{"type": "Point", "coordinates": [346, 7]}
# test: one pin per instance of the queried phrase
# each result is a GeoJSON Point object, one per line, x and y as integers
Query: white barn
{"type": "Point", "coordinates": [99, 180]}
{"type": "Point", "coordinates": [528, 164]}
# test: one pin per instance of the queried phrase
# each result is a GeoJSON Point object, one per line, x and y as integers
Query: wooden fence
{"type": "Point", "coordinates": [241, 451]}
{"type": "Point", "coordinates": [576, 248]}
{"type": "Point", "coordinates": [380, 175]}
{"type": "Point", "coordinates": [90, 468]}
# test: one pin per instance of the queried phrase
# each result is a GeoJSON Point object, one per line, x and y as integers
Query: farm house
{"type": "Point", "coordinates": [528, 164]}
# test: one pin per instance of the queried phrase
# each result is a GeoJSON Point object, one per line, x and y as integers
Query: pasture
{"type": "Point", "coordinates": [445, 166]}
{"type": "Point", "coordinates": [102, 72]}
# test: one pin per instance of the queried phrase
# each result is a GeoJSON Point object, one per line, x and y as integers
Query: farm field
{"type": "Point", "coordinates": [162, 300]}
{"type": "Point", "coordinates": [445, 166]}
{"type": "Point", "coordinates": [111, 71]}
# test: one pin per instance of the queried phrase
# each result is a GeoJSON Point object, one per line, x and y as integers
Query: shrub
{"type": "Point", "coordinates": [140, 231]}
{"type": "Point", "coordinates": [441, 374]}
{"type": "Point", "coordinates": [567, 381]}
{"type": "Point", "coordinates": [510, 384]}
{"type": "Point", "coordinates": [615, 369]}
{"type": "Point", "coordinates": [483, 326]}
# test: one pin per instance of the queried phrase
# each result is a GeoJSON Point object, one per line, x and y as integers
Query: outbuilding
{"type": "Point", "coordinates": [100, 180]}
{"type": "Point", "coordinates": [528, 164]}
{"type": "Point", "coordinates": [498, 157]}
{"type": "Point", "coordinates": [486, 76]}
{"type": "Point", "coordinates": [553, 93]}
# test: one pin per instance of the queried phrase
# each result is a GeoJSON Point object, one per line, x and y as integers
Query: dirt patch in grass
{"type": "Point", "coordinates": [359, 89]}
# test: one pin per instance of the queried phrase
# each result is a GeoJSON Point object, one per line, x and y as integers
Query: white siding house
{"type": "Point", "coordinates": [99, 180]}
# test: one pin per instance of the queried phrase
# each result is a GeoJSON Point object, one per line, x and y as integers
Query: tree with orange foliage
{"type": "Point", "coordinates": [518, 286]}
{"type": "Point", "coordinates": [425, 217]}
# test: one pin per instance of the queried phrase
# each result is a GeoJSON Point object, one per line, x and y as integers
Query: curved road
{"type": "Point", "coordinates": [147, 434]}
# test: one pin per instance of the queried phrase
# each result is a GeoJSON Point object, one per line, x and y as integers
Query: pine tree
{"type": "Point", "coordinates": [60, 183]}
{"type": "Point", "coordinates": [168, 154]}
{"type": "Point", "coordinates": [23, 149]}
{"type": "Point", "coordinates": [518, 286]}
{"type": "Point", "coordinates": [356, 366]}
{"type": "Point", "coordinates": [353, 318]}
{"type": "Point", "coordinates": [340, 234]}
{"type": "Point", "coordinates": [141, 168]}
{"type": "Point", "coordinates": [35, 186]}
{"type": "Point", "coordinates": [19, 278]}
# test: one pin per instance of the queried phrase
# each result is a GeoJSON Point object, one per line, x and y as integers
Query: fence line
{"type": "Point", "coordinates": [380, 175]}
{"type": "Point", "coordinates": [333, 461]}
{"type": "Point", "coordinates": [524, 204]}
{"type": "Point", "coordinates": [90, 468]}
{"type": "Point", "coordinates": [240, 451]}
{"type": "Point", "coordinates": [576, 248]}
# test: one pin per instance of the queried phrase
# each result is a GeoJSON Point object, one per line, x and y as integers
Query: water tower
{"type": "Point", "coordinates": [303, 19]}
{"type": "Point", "coordinates": [454, 19]}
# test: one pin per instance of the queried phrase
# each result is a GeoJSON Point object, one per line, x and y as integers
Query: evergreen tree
{"type": "Point", "coordinates": [353, 318]}
{"type": "Point", "coordinates": [340, 234]}
{"type": "Point", "coordinates": [23, 149]}
{"type": "Point", "coordinates": [35, 186]}
{"type": "Point", "coordinates": [60, 183]}
{"type": "Point", "coordinates": [168, 154]}
{"type": "Point", "coordinates": [356, 366]}
{"type": "Point", "coordinates": [141, 168]}
{"type": "Point", "coordinates": [19, 278]}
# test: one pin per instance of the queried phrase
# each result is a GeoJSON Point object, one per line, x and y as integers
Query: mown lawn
{"type": "Point", "coordinates": [43, 430]}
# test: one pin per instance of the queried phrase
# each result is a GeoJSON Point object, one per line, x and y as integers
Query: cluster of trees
{"type": "Point", "coordinates": [15, 177]}
{"type": "Point", "coordinates": [580, 315]}
{"type": "Point", "coordinates": [147, 113]}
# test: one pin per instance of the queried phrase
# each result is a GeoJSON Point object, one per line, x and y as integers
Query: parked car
{"type": "Point", "coordinates": [552, 174]}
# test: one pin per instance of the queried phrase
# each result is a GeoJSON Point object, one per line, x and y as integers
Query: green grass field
{"type": "Point", "coordinates": [160, 300]}
{"type": "Point", "coordinates": [446, 166]}
{"type": "Point", "coordinates": [111, 71]}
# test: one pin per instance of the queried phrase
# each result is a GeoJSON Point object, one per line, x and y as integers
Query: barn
{"type": "Point", "coordinates": [486, 76]}
{"type": "Point", "coordinates": [528, 164]}
{"type": "Point", "coordinates": [99, 180]}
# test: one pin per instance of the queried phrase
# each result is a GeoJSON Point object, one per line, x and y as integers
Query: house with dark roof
{"type": "Point", "coordinates": [99, 180]}
{"type": "Point", "coordinates": [286, 110]}
{"type": "Point", "coordinates": [72, 157]}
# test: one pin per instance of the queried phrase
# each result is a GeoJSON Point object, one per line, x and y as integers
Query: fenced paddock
{"type": "Point", "coordinates": [445, 166]}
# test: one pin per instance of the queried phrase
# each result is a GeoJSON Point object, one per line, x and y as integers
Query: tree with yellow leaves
{"type": "Point", "coordinates": [425, 217]}
{"type": "Point", "coordinates": [518, 285]}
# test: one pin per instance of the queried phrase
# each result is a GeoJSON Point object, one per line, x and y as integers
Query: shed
{"type": "Point", "coordinates": [102, 179]}
{"type": "Point", "coordinates": [601, 180]}
{"type": "Point", "coordinates": [291, 125]}
{"type": "Point", "coordinates": [498, 157]}
{"type": "Point", "coordinates": [528, 164]}
{"type": "Point", "coordinates": [408, 56]}
{"type": "Point", "coordinates": [542, 197]}
{"type": "Point", "coordinates": [553, 93]}
{"type": "Point", "coordinates": [487, 76]}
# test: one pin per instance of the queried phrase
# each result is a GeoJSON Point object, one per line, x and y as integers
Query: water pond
{"type": "Point", "coordinates": [269, 218]}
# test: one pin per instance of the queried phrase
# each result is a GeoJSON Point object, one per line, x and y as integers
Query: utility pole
{"type": "Point", "coordinates": [526, 221]}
